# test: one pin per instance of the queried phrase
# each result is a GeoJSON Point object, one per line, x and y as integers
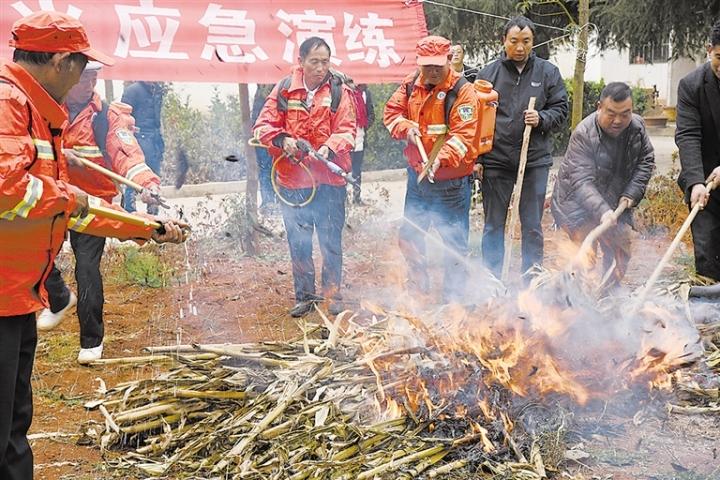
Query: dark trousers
{"type": "Point", "coordinates": [153, 151]}
{"type": "Point", "coordinates": [264, 163]}
{"type": "Point", "coordinates": [88, 252]}
{"type": "Point", "coordinates": [18, 338]}
{"type": "Point", "coordinates": [326, 215]}
{"type": "Point", "coordinates": [706, 240]}
{"type": "Point", "coordinates": [497, 187]}
{"type": "Point", "coordinates": [444, 205]}
{"type": "Point", "coordinates": [357, 164]}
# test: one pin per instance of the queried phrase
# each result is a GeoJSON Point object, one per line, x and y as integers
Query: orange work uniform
{"type": "Point", "coordinates": [36, 198]}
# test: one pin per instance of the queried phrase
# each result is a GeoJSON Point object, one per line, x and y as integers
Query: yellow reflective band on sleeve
{"type": "Point", "coordinates": [44, 149]}
{"type": "Point", "coordinates": [87, 151]}
{"type": "Point", "coordinates": [437, 129]}
{"type": "Point", "coordinates": [33, 192]}
{"type": "Point", "coordinates": [458, 145]}
{"type": "Point", "coordinates": [137, 169]}
{"type": "Point", "coordinates": [79, 224]}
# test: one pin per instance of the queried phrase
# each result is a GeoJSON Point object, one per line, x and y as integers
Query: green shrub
{"type": "Point", "coordinates": [381, 151]}
{"type": "Point", "coordinates": [145, 267]}
{"type": "Point", "coordinates": [206, 138]}
{"type": "Point", "coordinates": [663, 210]}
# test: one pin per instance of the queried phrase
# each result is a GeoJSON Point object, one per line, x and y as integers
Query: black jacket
{"type": "Point", "coordinates": [698, 129]}
{"type": "Point", "coordinates": [540, 79]}
{"type": "Point", "coordinates": [589, 183]}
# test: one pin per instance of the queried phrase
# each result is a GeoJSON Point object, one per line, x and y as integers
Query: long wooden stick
{"type": "Point", "coordinates": [426, 162]}
{"type": "Point", "coordinates": [597, 231]}
{"type": "Point", "coordinates": [124, 217]}
{"type": "Point", "coordinates": [110, 174]}
{"type": "Point", "coordinates": [640, 299]}
{"type": "Point", "coordinates": [515, 199]}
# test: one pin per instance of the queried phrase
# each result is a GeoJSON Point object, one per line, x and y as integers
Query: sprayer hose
{"type": "Point", "coordinates": [273, 180]}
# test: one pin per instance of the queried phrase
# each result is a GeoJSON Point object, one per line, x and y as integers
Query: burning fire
{"type": "Point", "coordinates": [553, 339]}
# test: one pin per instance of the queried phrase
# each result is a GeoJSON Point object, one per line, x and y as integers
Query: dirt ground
{"type": "Point", "coordinates": [242, 299]}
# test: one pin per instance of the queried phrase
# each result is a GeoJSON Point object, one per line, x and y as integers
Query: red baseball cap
{"type": "Point", "coordinates": [54, 32]}
{"type": "Point", "coordinates": [432, 50]}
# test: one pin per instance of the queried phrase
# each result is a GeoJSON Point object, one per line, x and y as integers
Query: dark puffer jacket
{"type": "Point", "coordinates": [590, 183]}
{"type": "Point", "coordinates": [540, 79]}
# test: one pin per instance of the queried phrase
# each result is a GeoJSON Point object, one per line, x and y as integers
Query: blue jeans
{"type": "Point", "coordinates": [264, 163]}
{"type": "Point", "coordinates": [152, 148]}
{"type": "Point", "coordinates": [444, 205]}
{"type": "Point", "coordinates": [326, 214]}
{"type": "Point", "coordinates": [497, 187]}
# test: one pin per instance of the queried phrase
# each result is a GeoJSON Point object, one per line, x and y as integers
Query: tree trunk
{"type": "Point", "coordinates": [580, 60]}
{"type": "Point", "coordinates": [109, 91]}
{"type": "Point", "coordinates": [250, 227]}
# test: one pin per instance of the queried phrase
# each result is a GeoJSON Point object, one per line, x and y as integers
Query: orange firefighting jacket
{"type": "Point", "coordinates": [125, 156]}
{"type": "Point", "coordinates": [35, 196]}
{"type": "Point", "coordinates": [316, 124]}
{"type": "Point", "coordinates": [425, 111]}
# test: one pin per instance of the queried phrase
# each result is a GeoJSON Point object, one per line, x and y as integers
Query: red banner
{"type": "Point", "coordinates": [239, 41]}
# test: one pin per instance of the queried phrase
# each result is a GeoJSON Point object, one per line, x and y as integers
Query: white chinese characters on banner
{"type": "Point", "coordinates": [46, 6]}
{"type": "Point", "coordinates": [304, 26]}
{"type": "Point", "coordinates": [147, 19]}
{"type": "Point", "coordinates": [228, 32]}
{"type": "Point", "coordinates": [367, 36]}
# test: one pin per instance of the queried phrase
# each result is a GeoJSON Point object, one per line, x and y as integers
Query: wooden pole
{"type": "Point", "coordinates": [640, 299]}
{"type": "Point", "coordinates": [595, 233]}
{"type": "Point", "coordinates": [110, 174]}
{"type": "Point", "coordinates": [516, 194]}
{"type": "Point", "coordinates": [426, 162]}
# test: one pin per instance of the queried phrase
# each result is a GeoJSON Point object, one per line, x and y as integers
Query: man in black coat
{"type": "Point", "coordinates": [518, 75]}
{"type": "Point", "coordinates": [698, 138]}
{"type": "Point", "coordinates": [609, 160]}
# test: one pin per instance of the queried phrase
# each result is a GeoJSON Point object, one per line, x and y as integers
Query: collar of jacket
{"type": "Point", "coordinates": [95, 103]}
{"type": "Point", "coordinates": [447, 84]}
{"type": "Point", "coordinates": [509, 63]}
{"type": "Point", "coordinates": [38, 96]}
{"type": "Point", "coordinates": [296, 82]}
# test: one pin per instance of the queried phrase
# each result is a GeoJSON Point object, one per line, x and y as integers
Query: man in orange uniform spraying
{"type": "Point", "coordinates": [37, 204]}
{"type": "Point", "coordinates": [116, 150]}
{"type": "Point", "coordinates": [313, 105]}
{"type": "Point", "coordinates": [436, 109]}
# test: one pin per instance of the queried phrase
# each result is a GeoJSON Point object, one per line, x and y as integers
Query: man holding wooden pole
{"type": "Point", "coordinates": [609, 161]}
{"type": "Point", "coordinates": [698, 138]}
{"type": "Point", "coordinates": [435, 110]}
{"type": "Point", "coordinates": [98, 135]}
{"type": "Point", "coordinates": [517, 76]}
{"type": "Point", "coordinates": [37, 205]}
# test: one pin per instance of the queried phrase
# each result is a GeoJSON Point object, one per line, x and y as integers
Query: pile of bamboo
{"type": "Point", "coordinates": [310, 408]}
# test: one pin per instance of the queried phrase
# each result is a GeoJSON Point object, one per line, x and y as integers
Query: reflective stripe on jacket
{"type": "Point", "coordinates": [35, 196]}
{"type": "Point", "coordinates": [316, 124]}
{"type": "Point", "coordinates": [125, 156]}
{"type": "Point", "coordinates": [425, 110]}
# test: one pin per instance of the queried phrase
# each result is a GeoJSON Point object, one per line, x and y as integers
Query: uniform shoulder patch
{"type": "Point", "coordinates": [125, 136]}
{"type": "Point", "coordinates": [466, 112]}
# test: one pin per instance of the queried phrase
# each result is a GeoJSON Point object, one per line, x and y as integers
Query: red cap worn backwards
{"type": "Point", "coordinates": [54, 32]}
{"type": "Point", "coordinates": [432, 50]}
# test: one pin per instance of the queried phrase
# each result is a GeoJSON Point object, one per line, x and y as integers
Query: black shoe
{"type": "Point", "coordinates": [336, 307]}
{"type": "Point", "coordinates": [302, 308]}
